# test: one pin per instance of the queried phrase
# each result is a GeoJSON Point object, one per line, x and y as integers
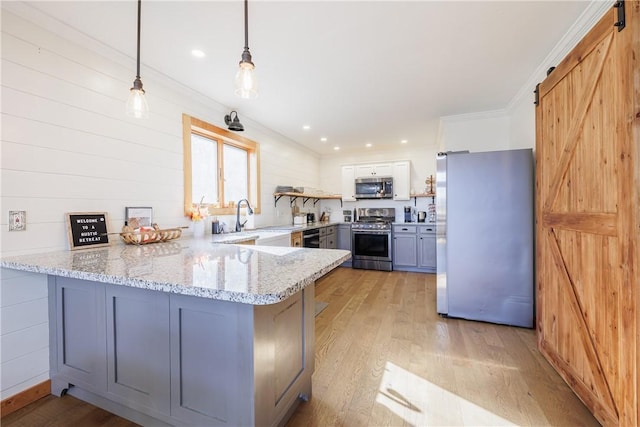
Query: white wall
{"type": "Point", "coordinates": [522, 128]}
{"type": "Point", "coordinates": [68, 146]}
{"type": "Point", "coordinates": [488, 131]}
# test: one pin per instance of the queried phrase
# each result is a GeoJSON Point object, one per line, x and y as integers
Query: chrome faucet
{"type": "Point", "coordinates": [249, 212]}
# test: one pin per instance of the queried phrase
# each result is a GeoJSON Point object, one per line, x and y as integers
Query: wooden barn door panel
{"type": "Point", "coordinates": [586, 230]}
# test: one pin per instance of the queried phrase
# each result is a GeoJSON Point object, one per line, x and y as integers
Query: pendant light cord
{"type": "Point", "coordinates": [138, 60]}
{"type": "Point", "coordinates": [246, 24]}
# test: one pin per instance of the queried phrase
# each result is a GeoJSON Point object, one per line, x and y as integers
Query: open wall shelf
{"type": "Point", "coordinates": [305, 198]}
{"type": "Point", "coordinates": [415, 197]}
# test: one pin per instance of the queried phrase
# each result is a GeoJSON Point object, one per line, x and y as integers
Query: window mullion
{"type": "Point", "coordinates": [223, 201]}
{"type": "Point", "coordinates": [249, 195]}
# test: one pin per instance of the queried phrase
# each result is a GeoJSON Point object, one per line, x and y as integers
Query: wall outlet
{"type": "Point", "coordinates": [17, 220]}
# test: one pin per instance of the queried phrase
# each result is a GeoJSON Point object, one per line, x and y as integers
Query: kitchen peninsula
{"type": "Point", "coordinates": [187, 332]}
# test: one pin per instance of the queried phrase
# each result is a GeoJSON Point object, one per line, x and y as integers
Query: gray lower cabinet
{"type": "Point", "coordinates": [138, 349]}
{"type": "Point", "coordinates": [328, 237]}
{"type": "Point", "coordinates": [77, 350]}
{"type": "Point", "coordinates": [332, 238]}
{"type": "Point", "coordinates": [206, 382]}
{"type": "Point", "coordinates": [166, 359]}
{"type": "Point", "coordinates": [414, 248]}
{"type": "Point", "coordinates": [343, 240]}
{"type": "Point", "coordinates": [427, 248]}
{"type": "Point", "coordinates": [404, 247]}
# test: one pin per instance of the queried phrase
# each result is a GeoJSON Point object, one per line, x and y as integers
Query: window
{"type": "Point", "coordinates": [220, 168]}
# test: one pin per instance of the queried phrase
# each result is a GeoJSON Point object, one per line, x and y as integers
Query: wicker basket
{"type": "Point", "coordinates": [150, 236]}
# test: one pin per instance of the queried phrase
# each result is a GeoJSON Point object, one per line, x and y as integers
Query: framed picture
{"type": "Point", "coordinates": [87, 229]}
{"type": "Point", "coordinates": [137, 217]}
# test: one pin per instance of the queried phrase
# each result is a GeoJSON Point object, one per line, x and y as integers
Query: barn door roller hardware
{"type": "Point", "coordinates": [621, 21]}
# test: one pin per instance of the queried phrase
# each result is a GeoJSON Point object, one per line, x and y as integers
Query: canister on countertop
{"type": "Point", "coordinates": [407, 214]}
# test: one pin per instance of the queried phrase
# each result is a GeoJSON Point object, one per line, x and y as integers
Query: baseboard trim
{"type": "Point", "coordinates": [24, 398]}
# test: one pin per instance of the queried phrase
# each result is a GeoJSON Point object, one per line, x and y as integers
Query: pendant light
{"type": "Point", "coordinates": [137, 103]}
{"type": "Point", "coordinates": [246, 83]}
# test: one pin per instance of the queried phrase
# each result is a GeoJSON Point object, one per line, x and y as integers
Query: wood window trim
{"type": "Point", "coordinates": [193, 125]}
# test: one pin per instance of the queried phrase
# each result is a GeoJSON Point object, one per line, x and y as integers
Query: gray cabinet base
{"type": "Point", "coordinates": [164, 359]}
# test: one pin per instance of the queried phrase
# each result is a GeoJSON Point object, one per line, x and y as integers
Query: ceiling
{"type": "Point", "coordinates": [356, 72]}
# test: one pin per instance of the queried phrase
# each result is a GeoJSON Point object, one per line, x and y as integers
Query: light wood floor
{"type": "Point", "coordinates": [385, 358]}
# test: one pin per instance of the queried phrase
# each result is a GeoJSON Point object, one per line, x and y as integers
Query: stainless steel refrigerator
{"type": "Point", "coordinates": [485, 236]}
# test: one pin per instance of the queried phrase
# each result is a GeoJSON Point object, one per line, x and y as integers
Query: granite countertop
{"type": "Point", "coordinates": [257, 275]}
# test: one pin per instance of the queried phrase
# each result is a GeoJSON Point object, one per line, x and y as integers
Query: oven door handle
{"type": "Point", "coordinates": [370, 232]}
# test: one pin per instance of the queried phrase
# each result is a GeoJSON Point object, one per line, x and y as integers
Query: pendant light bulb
{"type": "Point", "coordinates": [137, 103]}
{"type": "Point", "coordinates": [246, 82]}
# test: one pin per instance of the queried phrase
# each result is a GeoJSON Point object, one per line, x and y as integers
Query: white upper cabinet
{"type": "Point", "coordinates": [401, 180]}
{"type": "Point", "coordinates": [379, 170]}
{"type": "Point", "coordinates": [348, 184]}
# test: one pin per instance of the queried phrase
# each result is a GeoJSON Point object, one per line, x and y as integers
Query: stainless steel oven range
{"type": "Point", "coordinates": [371, 239]}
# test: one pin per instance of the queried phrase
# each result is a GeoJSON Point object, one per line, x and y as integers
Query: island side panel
{"type": "Point", "coordinates": [211, 361]}
{"type": "Point", "coordinates": [284, 356]}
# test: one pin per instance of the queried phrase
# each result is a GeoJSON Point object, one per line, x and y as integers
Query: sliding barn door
{"type": "Point", "coordinates": [587, 178]}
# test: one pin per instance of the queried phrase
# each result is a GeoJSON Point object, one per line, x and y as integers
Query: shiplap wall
{"type": "Point", "coordinates": [68, 146]}
{"type": "Point", "coordinates": [24, 338]}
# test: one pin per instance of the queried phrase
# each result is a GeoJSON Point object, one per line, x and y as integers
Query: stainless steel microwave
{"type": "Point", "coordinates": [374, 188]}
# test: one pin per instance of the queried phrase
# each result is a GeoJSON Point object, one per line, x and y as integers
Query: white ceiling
{"type": "Point", "coordinates": [356, 72]}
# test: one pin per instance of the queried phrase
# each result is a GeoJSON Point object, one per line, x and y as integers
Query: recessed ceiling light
{"type": "Point", "coordinates": [306, 127]}
{"type": "Point", "coordinates": [404, 141]}
{"type": "Point", "coordinates": [323, 139]}
{"type": "Point", "coordinates": [197, 53]}
{"type": "Point", "coordinates": [336, 148]}
{"type": "Point", "coordinates": [368, 144]}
